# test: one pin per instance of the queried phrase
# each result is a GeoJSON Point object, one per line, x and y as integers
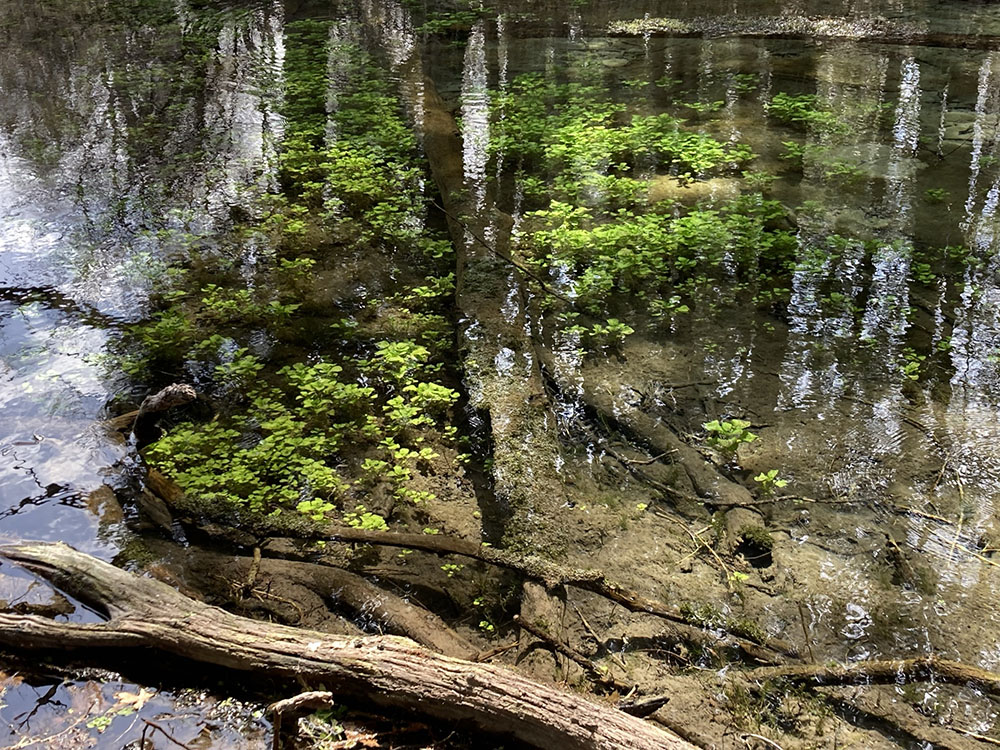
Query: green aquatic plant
{"type": "Point", "coordinates": [647, 253]}
{"type": "Point", "coordinates": [309, 434]}
{"type": "Point", "coordinates": [770, 481]}
{"type": "Point", "coordinates": [361, 518]}
{"type": "Point", "coordinates": [911, 365]}
{"type": "Point", "coordinates": [936, 195]}
{"type": "Point", "coordinates": [726, 436]}
{"type": "Point", "coordinates": [805, 109]}
{"type": "Point", "coordinates": [574, 131]}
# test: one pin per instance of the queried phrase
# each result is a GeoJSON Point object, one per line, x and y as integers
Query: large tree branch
{"type": "Point", "coordinates": [386, 670]}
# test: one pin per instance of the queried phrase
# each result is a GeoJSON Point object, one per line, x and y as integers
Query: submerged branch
{"type": "Point", "coordinates": [920, 669]}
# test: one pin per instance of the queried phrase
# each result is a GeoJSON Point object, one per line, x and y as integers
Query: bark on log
{"type": "Point", "coordinates": [175, 394]}
{"type": "Point", "coordinates": [385, 670]}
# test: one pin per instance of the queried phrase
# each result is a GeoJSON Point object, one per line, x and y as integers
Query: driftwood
{"type": "Point", "coordinates": [386, 670]}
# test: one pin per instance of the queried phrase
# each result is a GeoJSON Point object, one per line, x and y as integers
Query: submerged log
{"type": "Point", "coordinates": [274, 580]}
{"type": "Point", "coordinates": [531, 567]}
{"type": "Point", "coordinates": [919, 669]}
{"type": "Point", "coordinates": [386, 670]}
{"type": "Point", "coordinates": [743, 522]}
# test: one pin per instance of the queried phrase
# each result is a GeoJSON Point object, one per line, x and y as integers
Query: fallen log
{"type": "Point", "coordinates": [348, 591]}
{"type": "Point", "coordinates": [386, 670]}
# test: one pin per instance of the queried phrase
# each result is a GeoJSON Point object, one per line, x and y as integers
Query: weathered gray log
{"type": "Point", "coordinates": [385, 670]}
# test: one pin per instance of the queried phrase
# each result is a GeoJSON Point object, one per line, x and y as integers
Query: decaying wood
{"type": "Point", "coordinates": [289, 710]}
{"type": "Point", "coordinates": [175, 394]}
{"type": "Point", "coordinates": [552, 575]}
{"type": "Point", "coordinates": [294, 590]}
{"type": "Point", "coordinates": [919, 669]}
{"type": "Point", "coordinates": [385, 670]}
{"type": "Point", "coordinates": [364, 599]}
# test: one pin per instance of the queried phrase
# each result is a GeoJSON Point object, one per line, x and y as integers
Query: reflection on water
{"type": "Point", "coordinates": [874, 375]}
{"type": "Point", "coordinates": [118, 147]}
{"type": "Point", "coordinates": [875, 381]}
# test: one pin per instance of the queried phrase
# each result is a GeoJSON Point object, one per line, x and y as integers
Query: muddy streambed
{"type": "Point", "coordinates": [741, 352]}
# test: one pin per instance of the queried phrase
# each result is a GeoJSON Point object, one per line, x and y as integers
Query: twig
{"type": "Point", "coordinates": [805, 632]}
{"type": "Point", "coordinates": [252, 573]}
{"type": "Point", "coordinates": [765, 740]}
{"type": "Point", "coordinates": [590, 631]}
{"type": "Point", "coordinates": [165, 733]}
{"type": "Point", "coordinates": [519, 266]}
{"type": "Point", "coordinates": [940, 474]}
{"type": "Point", "coordinates": [496, 651]}
{"type": "Point", "coordinates": [643, 707]}
{"type": "Point", "coordinates": [958, 534]}
{"type": "Point", "coordinates": [919, 669]}
{"type": "Point", "coordinates": [646, 462]}
{"type": "Point", "coordinates": [921, 514]}
{"type": "Point", "coordinates": [980, 737]}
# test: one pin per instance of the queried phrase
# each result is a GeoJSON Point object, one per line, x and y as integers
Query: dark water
{"type": "Point", "coordinates": [130, 131]}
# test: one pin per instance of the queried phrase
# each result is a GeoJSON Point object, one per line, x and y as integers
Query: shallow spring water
{"type": "Point", "coordinates": [112, 137]}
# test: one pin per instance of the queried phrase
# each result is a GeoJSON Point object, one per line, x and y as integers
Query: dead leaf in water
{"type": "Point", "coordinates": [134, 701]}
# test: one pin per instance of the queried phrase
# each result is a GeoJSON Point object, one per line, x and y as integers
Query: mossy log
{"type": "Point", "coordinates": [385, 670]}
